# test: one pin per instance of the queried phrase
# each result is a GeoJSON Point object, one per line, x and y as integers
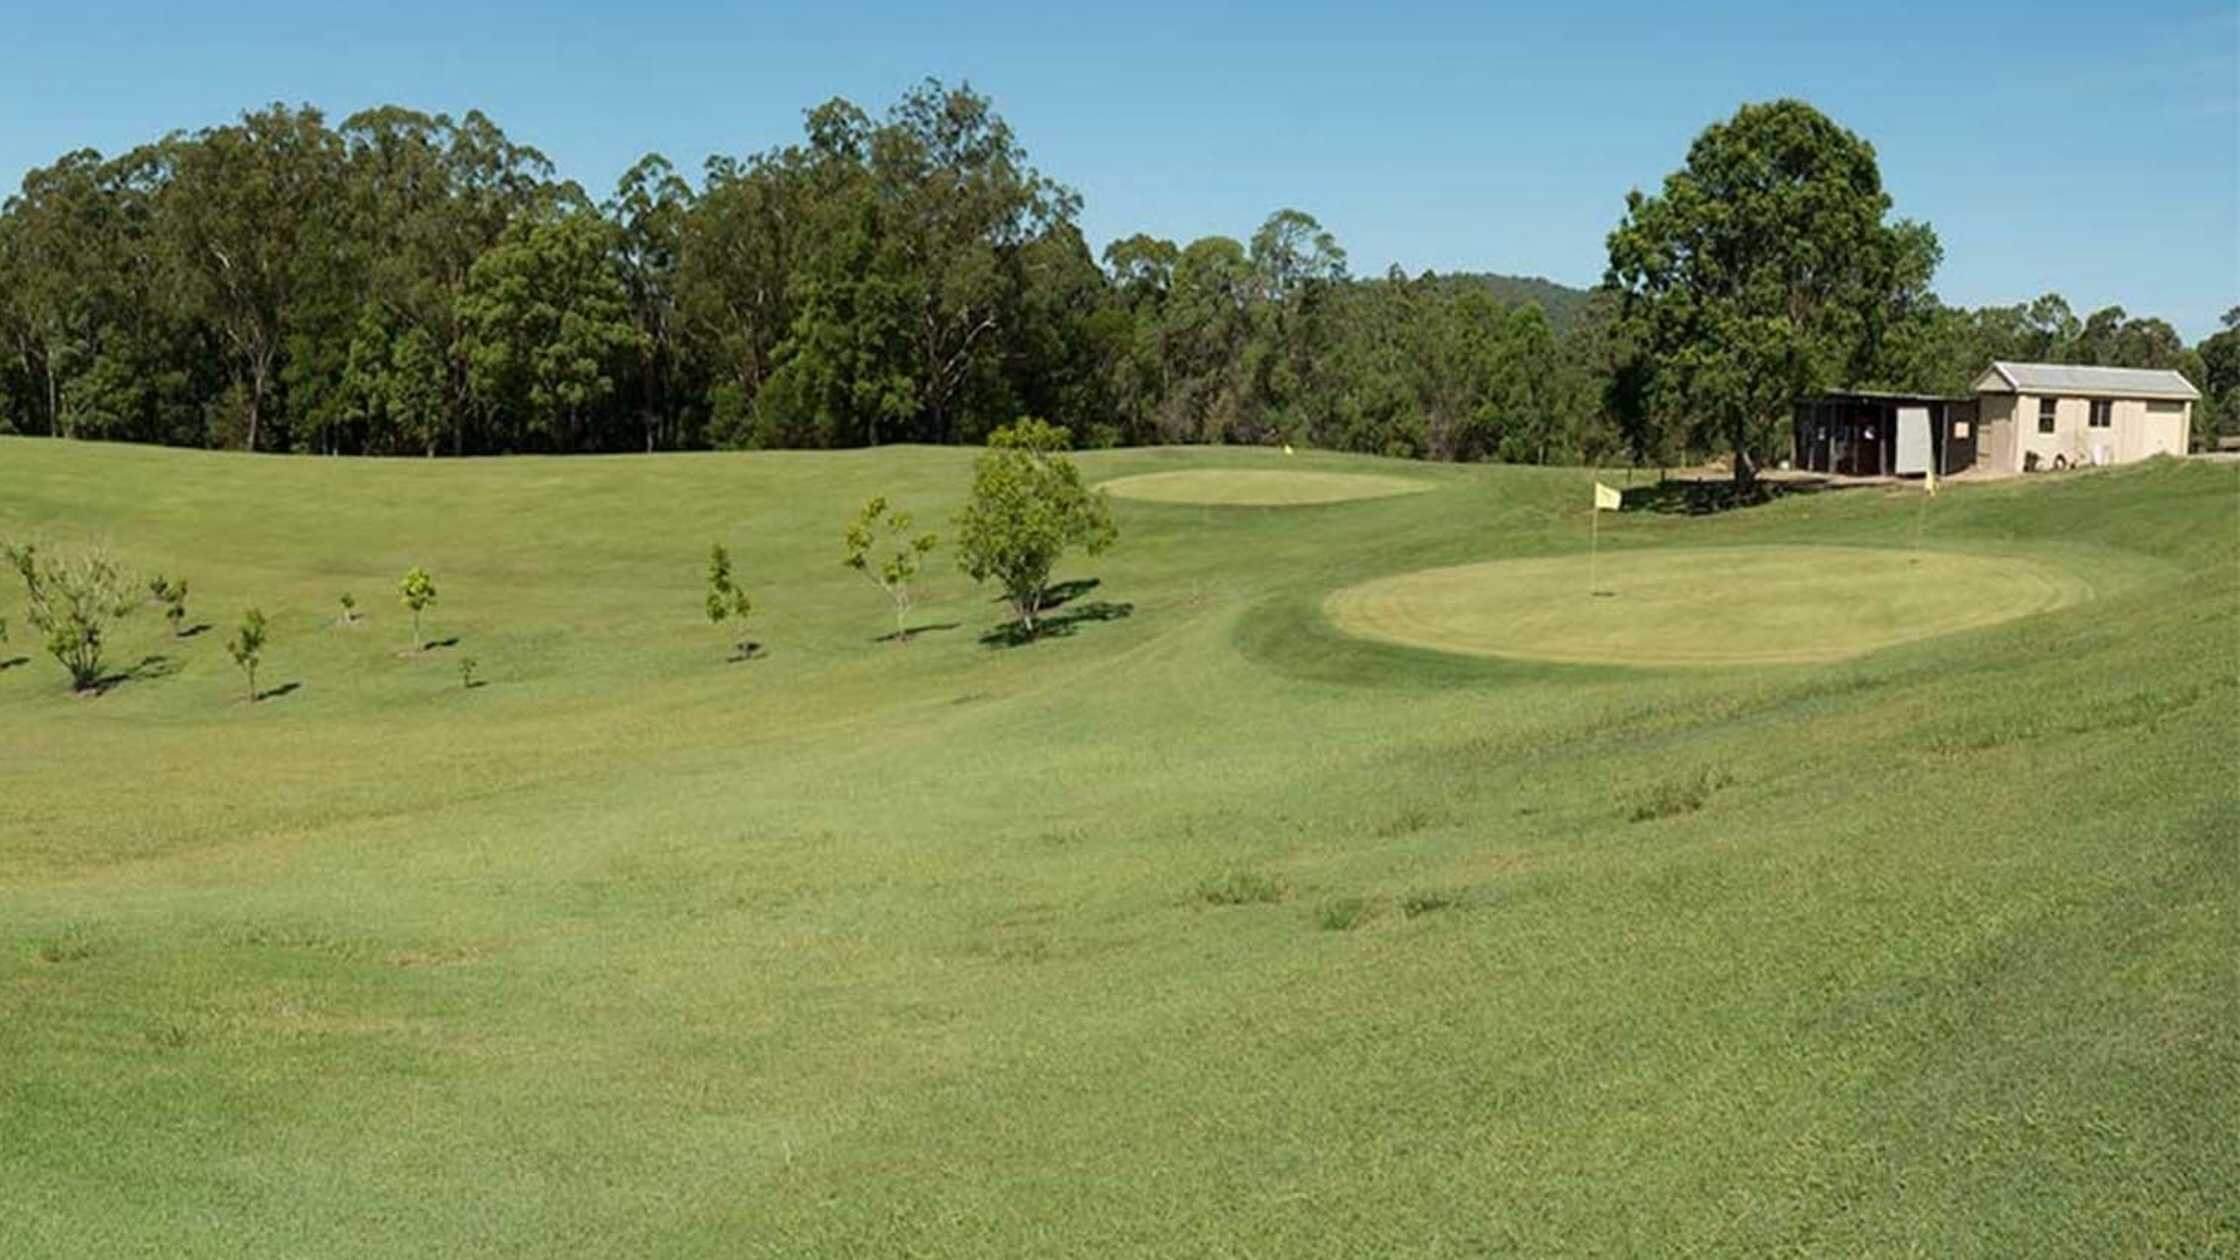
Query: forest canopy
{"type": "Point", "coordinates": [408, 283]}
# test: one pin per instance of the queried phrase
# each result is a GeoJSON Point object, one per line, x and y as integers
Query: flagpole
{"type": "Point", "coordinates": [1594, 549]}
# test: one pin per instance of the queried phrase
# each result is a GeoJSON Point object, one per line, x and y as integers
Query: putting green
{"type": "Point", "coordinates": [1704, 606]}
{"type": "Point", "coordinates": [1260, 488]}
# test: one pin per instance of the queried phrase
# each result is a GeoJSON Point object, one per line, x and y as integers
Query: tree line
{"type": "Point", "coordinates": [408, 283]}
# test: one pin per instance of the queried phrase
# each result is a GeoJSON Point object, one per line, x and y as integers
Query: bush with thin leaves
{"type": "Point", "coordinates": [72, 598]}
{"type": "Point", "coordinates": [247, 647]}
{"type": "Point", "coordinates": [349, 609]}
{"type": "Point", "coordinates": [726, 600]}
{"type": "Point", "coordinates": [173, 596]}
{"type": "Point", "coordinates": [893, 574]}
{"type": "Point", "coordinates": [416, 592]}
{"type": "Point", "coordinates": [1028, 508]}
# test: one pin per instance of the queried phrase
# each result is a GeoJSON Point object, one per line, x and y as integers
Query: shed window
{"type": "Point", "coordinates": [2045, 414]}
{"type": "Point", "coordinates": [2103, 413]}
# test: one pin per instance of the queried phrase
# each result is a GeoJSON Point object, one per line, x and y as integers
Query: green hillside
{"type": "Point", "coordinates": [1561, 303]}
{"type": "Point", "coordinates": [1194, 928]}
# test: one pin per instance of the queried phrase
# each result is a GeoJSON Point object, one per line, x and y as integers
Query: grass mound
{"type": "Point", "coordinates": [1767, 605]}
{"type": "Point", "coordinates": [1249, 487]}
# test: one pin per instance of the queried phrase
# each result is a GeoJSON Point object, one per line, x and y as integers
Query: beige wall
{"type": "Point", "coordinates": [2137, 430]}
{"type": "Point", "coordinates": [1995, 432]}
{"type": "Point", "coordinates": [2166, 428]}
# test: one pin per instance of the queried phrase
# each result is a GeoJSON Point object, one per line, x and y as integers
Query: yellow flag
{"type": "Point", "coordinates": [1606, 499]}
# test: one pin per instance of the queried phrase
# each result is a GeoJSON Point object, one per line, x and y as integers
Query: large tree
{"type": "Point", "coordinates": [1767, 267]}
{"type": "Point", "coordinates": [244, 204]}
{"type": "Point", "coordinates": [548, 328]}
{"type": "Point", "coordinates": [648, 211]}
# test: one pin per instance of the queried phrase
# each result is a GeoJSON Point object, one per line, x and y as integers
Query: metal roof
{"type": "Point", "coordinates": [2069, 378]}
{"type": "Point", "coordinates": [1882, 395]}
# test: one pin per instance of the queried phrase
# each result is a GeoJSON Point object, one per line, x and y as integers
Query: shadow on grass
{"type": "Point", "coordinates": [1063, 625]}
{"type": "Point", "coordinates": [284, 689]}
{"type": "Point", "coordinates": [1681, 496]}
{"type": "Point", "coordinates": [478, 684]}
{"type": "Point", "coordinates": [195, 629]}
{"type": "Point", "coordinates": [12, 662]}
{"type": "Point", "coordinates": [748, 651]}
{"type": "Point", "coordinates": [913, 632]}
{"type": "Point", "coordinates": [149, 669]}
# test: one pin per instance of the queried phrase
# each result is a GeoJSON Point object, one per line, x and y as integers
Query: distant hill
{"type": "Point", "coordinates": [1559, 302]}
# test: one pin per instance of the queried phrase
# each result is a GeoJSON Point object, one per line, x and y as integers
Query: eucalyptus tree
{"type": "Point", "coordinates": [430, 195]}
{"type": "Point", "coordinates": [241, 206]}
{"type": "Point", "coordinates": [648, 212]}
{"type": "Point", "coordinates": [734, 266]}
{"type": "Point", "coordinates": [548, 327]}
{"type": "Point", "coordinates": [60, 264]}
{"type": "Point", "coordinates": [1208, 321]}
{"type": "Point", "coordinates": [1296, 268]}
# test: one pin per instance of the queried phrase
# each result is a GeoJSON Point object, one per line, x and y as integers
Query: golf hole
{"type": "Point", "coordinates": [1704, 606]}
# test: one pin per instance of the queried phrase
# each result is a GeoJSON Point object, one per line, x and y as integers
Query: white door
{"type": "Point", "coordinates": [1913, 441]}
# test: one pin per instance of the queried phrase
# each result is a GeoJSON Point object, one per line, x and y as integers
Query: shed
{"type": "Point", "coordinates": [1869, 433]}
{"type": "Point", "coordinates": [2058, 415]}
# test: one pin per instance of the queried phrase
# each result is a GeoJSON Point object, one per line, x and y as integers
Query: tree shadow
{"type": "Point", "coordinates": [284, 689]}
{"type": "Point", "coordinates": [748, 651]}
{"type": "Point", "coordinates": [195, 629]}
{"type": "Point", "coordinates": [478, 684]}
{"type": "Point", "coordinates": [913, 632]}
{"type": "Point", "coordinates": [1063, 625]}
{"type": "Point", "coordinates": [1686, 496]}
{"type": "Point", "coordinates": [453, 641]}
{"type": "Point", "coordinates": [149, 669]}
{"type": "Point", "coordinates": [12, 662]}
{"type": "Point", "coordinates": [1059, 594]}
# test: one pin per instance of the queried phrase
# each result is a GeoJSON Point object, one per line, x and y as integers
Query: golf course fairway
{"type": "Point", "coordinates": [1193, 926]}
{"type": "Point", "coordinates": [1767, 605]}
{"type": "Point", "coordinates": [1245, 487]}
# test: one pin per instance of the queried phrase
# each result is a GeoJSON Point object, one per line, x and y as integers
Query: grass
{"type": "Point", "coordinates": [1781, 604]}
{"type": "Point", "coordinates": [1242, 888]}
{"type": "Point", "coordinates": [857, 948]}
{"type": "Point", "coordinates": [1251, 487]}
{"type": "Point", "coordinates": [1682, 795]}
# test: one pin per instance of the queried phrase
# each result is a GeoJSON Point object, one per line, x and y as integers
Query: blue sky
{"type": "Point", "coordinates": [2092, 150]}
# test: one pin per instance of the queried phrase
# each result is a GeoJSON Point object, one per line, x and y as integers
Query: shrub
{"type": "Point", "coordinates": [1242, 888]}
{"type": "Point", "coordinates": [893, 574]}
{"type": "Point", "coordinates": [72, 599]}
{"type": "Point", "coordinates": [173, 596]}
{"type": "Point", "coordinates": [1431, 900]}
{"type": "Point", "coordinates": [1028, 508]}
{"type": "Point", "coordinates": [726, 599]}
{"type": "Point", "coordinates": [416, 592]}
{"type": "Point", "coordinates": [1683, 795]}
{"type": "Point", "coordinates": [1343, 914]}
{"type": "Point", "coordinates": [247, 647]}
{"type": "Point", "coordinates": [466, 672]}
